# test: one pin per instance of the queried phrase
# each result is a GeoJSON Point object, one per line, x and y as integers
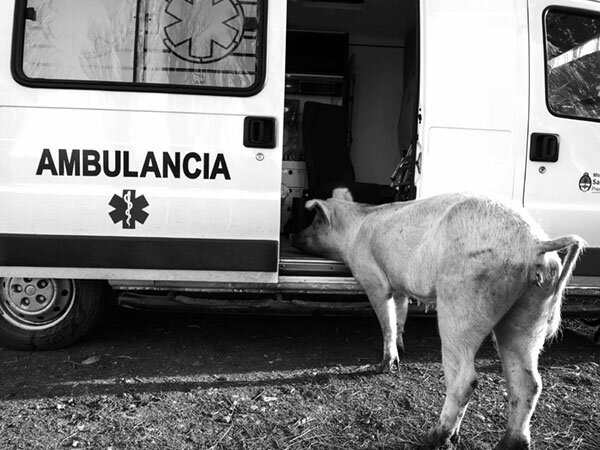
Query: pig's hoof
{"type": "Point", "coordinates": [438, 439]}
{"type": "Point", "coordinates": [513, 443]}
{"type": "Point", "coordinates": [455, 438]}
{"type": "Point", "coordinates": [400, 347]}
{"type": "Point", "coordinates": [389, 365]}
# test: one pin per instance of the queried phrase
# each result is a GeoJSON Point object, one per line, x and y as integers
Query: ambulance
{"type": "Point", "coordinates": [160, 151]}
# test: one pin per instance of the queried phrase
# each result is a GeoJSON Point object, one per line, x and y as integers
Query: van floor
{"type": "Point", "coordinates": [294, 262]}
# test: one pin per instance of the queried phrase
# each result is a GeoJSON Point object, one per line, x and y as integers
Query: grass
{"type": "Point", "coordinates": [134, 400]}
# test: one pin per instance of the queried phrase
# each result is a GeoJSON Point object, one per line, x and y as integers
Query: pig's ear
{"type": "Point", "coordinates": [342, 193]}
{"type": "Point", "coordinates": [321, 208]}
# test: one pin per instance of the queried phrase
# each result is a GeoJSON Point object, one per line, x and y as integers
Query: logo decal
{"type": "Point", "coordinates": [585, 182]}
{"type": "Point", "coordinates": [204, 31]}
{"type": "Point", "coordinates": [128, 209]}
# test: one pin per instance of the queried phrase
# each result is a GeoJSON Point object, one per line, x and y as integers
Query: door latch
{"type": "Point", "coordinates": [259, 132]}
{"type": "Point", "coordinates": [544, 147]}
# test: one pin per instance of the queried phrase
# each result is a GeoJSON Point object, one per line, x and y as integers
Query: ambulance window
{"type": "Point", "coordinates": [198, 46]}
{"type": "Point", "coordinates": [573, 64]}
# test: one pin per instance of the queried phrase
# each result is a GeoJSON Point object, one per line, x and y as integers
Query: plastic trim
{"type": "Point", "coordinates": [23, 250]}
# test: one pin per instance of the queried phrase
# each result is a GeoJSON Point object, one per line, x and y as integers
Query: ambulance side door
{"type": "Point", "coordinates": [562, 180]}
{"type": "Point", "coordinates": [141, 139]}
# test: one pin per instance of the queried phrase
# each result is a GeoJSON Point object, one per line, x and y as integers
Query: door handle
{"type": "Point", "coordinates": [259, 132]}
{"type": "Point", "coordinates": [544, 147]}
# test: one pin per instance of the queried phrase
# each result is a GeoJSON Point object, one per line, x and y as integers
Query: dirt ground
{"type": "Point", "coordinates": [183, 381]}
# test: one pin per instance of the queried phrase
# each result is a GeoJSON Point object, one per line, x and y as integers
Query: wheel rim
{"type": "Point", "coordinates": [36, 303]}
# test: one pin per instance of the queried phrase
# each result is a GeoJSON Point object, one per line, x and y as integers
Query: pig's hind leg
{"type": "Point", "coordinates": [463, 326]}
{"type": "Point", "coordinates": [519, 337]}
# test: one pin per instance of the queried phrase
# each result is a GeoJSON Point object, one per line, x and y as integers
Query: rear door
{"type": "Point", "coordinates": [473, 97]}
{"type": "Point", "coordinates": [562, 186]}
{"type": "Point", "coordinates": [141, 139]}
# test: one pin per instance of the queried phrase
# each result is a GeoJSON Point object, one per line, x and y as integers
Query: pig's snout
{"type": "Point", "coordinates": [299, 241]}
{"type": "Point", "coordinates": [311, 242]}
{"type": "Point", "coordinates": [296, 241]}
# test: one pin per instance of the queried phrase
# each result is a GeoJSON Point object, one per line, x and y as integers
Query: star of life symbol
{"type": "Point", "coordinates": [128, 209]}
{"type": "Point", "coordinates": [204, 31]}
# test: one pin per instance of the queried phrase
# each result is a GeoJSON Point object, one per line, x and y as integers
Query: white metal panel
{"type": "Point", "coordinates": [148, 276]}
{"type": "Point", "coordinates": [473, 99]}
{"type": "Point", "coordinates": [552, 192]}
{"type": "Point", "coordinates": [242, 207]}
{"type": "Point", "coordinates": [453, 148]}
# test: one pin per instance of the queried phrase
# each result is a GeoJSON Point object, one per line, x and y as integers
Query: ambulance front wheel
{"type": "Point", "coordinates": [48, 313]}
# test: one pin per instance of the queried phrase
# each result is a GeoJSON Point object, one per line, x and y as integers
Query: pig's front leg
{"type": "Point", "coordinates": [401, 302]}
{"type": "Point", "coordinates": [385, 309]}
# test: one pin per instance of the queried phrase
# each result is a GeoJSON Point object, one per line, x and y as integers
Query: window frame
{"type": "Point", "coordinates": [559, 9]}
{"type": "Point", "coordinates": [17, 53]}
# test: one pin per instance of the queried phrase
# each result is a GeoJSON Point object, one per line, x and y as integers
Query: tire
{"type": "Point", "coordinates": [47, 313]}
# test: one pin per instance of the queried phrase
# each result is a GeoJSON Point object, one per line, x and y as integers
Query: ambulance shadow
{"type": "Point", "coordinates": [134, 350]}
{"type": "Point", "coordinates": [141, 352]}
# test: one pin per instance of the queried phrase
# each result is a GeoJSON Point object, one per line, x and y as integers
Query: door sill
{"type": "Point", "coordinates": [293, 262]}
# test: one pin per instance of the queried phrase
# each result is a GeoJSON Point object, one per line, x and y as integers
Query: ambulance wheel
{"type": "Point", "coordinates": [47, 313]}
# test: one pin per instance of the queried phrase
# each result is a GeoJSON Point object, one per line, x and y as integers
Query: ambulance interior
{"type": "Point", "coordinates": [350, 110]}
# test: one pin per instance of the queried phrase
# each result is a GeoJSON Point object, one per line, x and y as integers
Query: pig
{"type": "Point", "coordinates": [485, 265]}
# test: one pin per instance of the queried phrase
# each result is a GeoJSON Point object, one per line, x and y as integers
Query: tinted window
{"type": "Point", "coordinates": [573, 64]}
{"type": "Point", "coordinates": [200, 44]}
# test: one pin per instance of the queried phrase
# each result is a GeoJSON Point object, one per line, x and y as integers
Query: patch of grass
{"type": "Point", "coordinates": [336, 406]}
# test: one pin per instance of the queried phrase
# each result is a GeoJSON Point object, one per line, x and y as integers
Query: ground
{"type": "Point", "coordinates": [181, 381]}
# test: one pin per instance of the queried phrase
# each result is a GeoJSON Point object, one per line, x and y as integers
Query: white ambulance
{"type": "Point", "coordinates": [157, 148]}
